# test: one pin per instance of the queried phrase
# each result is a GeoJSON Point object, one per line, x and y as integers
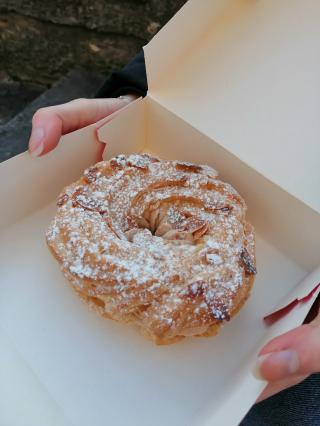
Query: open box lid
{"type": "Point", "coordinates": [246, 74]}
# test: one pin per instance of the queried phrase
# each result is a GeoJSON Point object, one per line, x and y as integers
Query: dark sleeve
{"type": "Point", "coordinates": [132, 79]}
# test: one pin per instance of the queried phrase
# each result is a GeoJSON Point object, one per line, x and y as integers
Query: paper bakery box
{"type": "Point", "coordinates": [231, 84]}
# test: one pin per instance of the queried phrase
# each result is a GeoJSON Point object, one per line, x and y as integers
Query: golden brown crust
{"type": "Point", "coordinates": [161, 244]}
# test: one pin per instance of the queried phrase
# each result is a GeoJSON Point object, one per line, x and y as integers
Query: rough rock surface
{"type": "Point", "coordinates": [14, 97]}
{"type": "Point", "coordinates": [41, 40]}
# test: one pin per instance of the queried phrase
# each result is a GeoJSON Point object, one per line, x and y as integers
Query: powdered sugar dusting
{"type": "Point", "coordinates": [154, 241]}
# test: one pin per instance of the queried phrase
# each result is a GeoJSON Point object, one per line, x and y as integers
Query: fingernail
{"type": "Point", "coordinates": [36, 144]}
{"type": "Point", "coordinates": [284, 363]}
{"type": "Point", "coordinates": [128, 98]}
{"type": "Point", "coordinates": [257, 370]}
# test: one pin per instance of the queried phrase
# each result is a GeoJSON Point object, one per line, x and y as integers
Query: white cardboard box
{"type": "Point", "coordinates": [232, 84]}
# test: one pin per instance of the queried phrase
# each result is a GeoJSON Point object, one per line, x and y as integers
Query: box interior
{"type": "Point", "coordinates": [93, 367]}
{"type": "Point", "coordinates": [83, 360]}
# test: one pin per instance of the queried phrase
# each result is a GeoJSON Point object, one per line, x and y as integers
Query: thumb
{"type": "Point", "coordinates": [50, 123]}
{"type": "Point", "coordinates": [296, 353]}
{"type": "Point", "coordinates": [275, 387]}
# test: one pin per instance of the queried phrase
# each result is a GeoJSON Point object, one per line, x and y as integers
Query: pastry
{"type": "Point", "coordinates": [164, 245]}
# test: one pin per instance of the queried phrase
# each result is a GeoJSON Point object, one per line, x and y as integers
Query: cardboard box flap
{"type": "Point", "coordinates": [179, 36]}
{"type": "Point", "coordinates": [249, 82]}
{"type": "Point", "coordinates": [27, 184]}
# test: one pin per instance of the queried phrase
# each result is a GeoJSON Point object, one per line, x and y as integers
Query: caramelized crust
{"type": "Point", "coordinates": [161, 244]}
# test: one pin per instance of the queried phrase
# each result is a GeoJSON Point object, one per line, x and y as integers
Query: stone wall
{"type": "Point", "coordinates": [41, 40]}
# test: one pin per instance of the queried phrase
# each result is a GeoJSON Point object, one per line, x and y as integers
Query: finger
{"type": "Point", "coordinates": [50, 123]}
{"type": "Point", "coordinates": [285, 340]}
{"type": "Point", "coordinates": [295, 353]}
{"type": "Point", "coordinates": [276, 387]}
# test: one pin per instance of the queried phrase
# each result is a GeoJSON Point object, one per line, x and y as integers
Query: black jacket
{"type": "Point", "coordinates": [132, 79]}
